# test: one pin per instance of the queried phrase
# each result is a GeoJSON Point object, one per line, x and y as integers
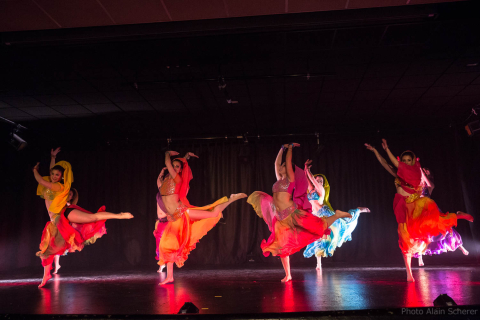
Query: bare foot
{"type": "Point", "coordinates": [410, 278]}
{"type": "Point", "coordinates": [44, 281]}
{"type": "Point", "coordinates": [167, 280]}
{"type": "Point", "coordinates": [464, 251]}
{"type": "Point", "coordinates": [287, 278]}
{"type": "Point", "coordinates": [161, 268]}
{"type": "Point", "coordinates": [237, 196]}
{"type": "Point", "coordinates": [56, 269]}
{"type": "Point", "coordinates": [363, 209]}
{"type": "Point", "coordinates": [125, 215]}
{"type": "Point", "coordinates": [319, 267]}
{"type": "Point", "coordinates": [463, 215]}
{"type": "Point", "coordinates": [342, 214]}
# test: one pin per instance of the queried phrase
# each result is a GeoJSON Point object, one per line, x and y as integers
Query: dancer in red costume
{"type": "Point", "coordinates": [186, 224]}
{"type": "Point", "coordinates": [70, 227]}
{"type": "Point", "coordinates": [288, 213]}
{"type": "Point", "coordinates": [418, 217]}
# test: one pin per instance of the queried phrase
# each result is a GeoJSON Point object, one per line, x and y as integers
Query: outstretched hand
{"type": "Point", "coordinates": [36, 166]}
{"type": "Point", "coordinates": [293, 144]}
{"type": "Point", "coordinates": [173, 153]}
{"type": "Point", "coordinates": [308, 164]}
{"type": "Point", "coordinates": [54, 153]}
{"type": "Point", "coordinates": [384, 144]}
{"type": "Point", "coordinates": [369, 147]}
{"type": "Point", "coordinates": [191, 154]}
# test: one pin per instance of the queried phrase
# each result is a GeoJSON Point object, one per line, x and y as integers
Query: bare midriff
{"type": "Point", "coordinates": [402, 192]}
{"type": "Point", "coordinates": [282, 200]}
{"type": "Point", "coordinates": [160, 213]}
{"type": "Point", "coordinates": [171, 202]}
{"type": "Point", "coordinates": [316, 205]}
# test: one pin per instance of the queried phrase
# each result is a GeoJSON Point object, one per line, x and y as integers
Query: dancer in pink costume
{"type": "Point", "coordinates": [288, 213]}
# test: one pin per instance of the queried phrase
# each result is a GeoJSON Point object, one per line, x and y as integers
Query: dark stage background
{"type": "Point", "coordinates": [123, 177]}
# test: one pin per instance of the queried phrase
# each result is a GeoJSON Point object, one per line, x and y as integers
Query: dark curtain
{"type": "Point", "coordinates": [124, 179]}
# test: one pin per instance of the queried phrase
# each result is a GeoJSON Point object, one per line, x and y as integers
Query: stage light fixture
{"type": "Point", "coordinates": [188, 307]}
{"type": "Point", "coordinates": [14, 140]}
{"type": "Point", "coordinates": [17, 142]}
{"type": "Point", "coordinates": [444, 300]}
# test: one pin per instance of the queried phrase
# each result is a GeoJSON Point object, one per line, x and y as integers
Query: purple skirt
{"type": "Point", "coordinates": [444, 243]}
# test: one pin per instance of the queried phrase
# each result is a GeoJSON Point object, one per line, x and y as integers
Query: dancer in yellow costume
{"type": "Point", "coordinates": [70, 227]}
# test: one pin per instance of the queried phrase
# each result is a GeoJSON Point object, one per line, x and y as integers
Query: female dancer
{"type": "Point", "coordinates": [418, 218]}
{"type": "Point", "coordinates": [161, 215]}
{"type": "Point", "coordinates": [341, 229]}
{"type": "Point", "coordinates": [442, 242]}
{"type": "Point", "coordinates": [186, 224]}
{"type": "Point", "coordinates": [288, 213]}
{"type": "Point", "coordinates": [70, 228]}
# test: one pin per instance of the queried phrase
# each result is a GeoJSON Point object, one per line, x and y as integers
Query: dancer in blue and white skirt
{"type": "Point", "coordinates": [340, 231]}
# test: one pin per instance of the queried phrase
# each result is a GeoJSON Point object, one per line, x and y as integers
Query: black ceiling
{"type": "Point", "coordinates": [362, 69]}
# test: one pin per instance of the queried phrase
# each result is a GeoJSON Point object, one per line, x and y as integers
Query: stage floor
{"type": "Point", "coordinates": [252, 289]}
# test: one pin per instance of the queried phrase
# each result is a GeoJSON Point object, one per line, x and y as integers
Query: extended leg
{"type": "Point", "coordinates": [77, 216]}
{"type": "Point", "coordinates": [338, 214]}
{"type": "Point", "coordinates": [465, 252]}
{"type": "Point", "coordinates": [201, 214]}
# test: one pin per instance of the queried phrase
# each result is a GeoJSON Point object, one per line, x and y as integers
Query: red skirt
{"type": "Point", "coordinates": [59, 236]}
{"type": "Point", "coordinates": [291, 234]}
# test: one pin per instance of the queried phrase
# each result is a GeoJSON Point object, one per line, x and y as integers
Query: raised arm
{"type": "Point", "coordinates": [382, 160]}
{"type": "Point", "coordinates": [288, 161]}
{"type": "Point", "coordinates": [278, 163]}
{"type": "Point", "coordinates": [161, 177]}
{"type": "Point", "coordinates": [53, 155]}
{"type": "Point", "coordinates": [390, 155]}
{"type": "Point", "coordinates": [52, 186]}
{"type": "Point", "coordinates": [190, 154]}
{"type": "Point", "coordinates": [309, 175]}
{"type": "Point", "coordinates": [428, 182]}
{"type": "Point", "coordinates": [317, 186]}
{"type": "Point", "coordinates": [168, 163]}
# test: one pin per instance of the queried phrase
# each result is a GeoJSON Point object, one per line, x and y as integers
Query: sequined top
{"type": "Point", "coordinates": [313, 195]}
{"type": "Point", "coordinates": [283, 186]}
{"type": "Point", "coordinates": [169, 187]}
{"type": "Point", "coordinates": [49, 194]}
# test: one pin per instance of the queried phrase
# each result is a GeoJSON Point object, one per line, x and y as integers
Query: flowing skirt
{"type": "Point", "coordinates": [423, 221]}
{"type": "Point", "coordinates": [291, 234]}
{"type": "Point", "coordinates": [181, 236]}
{"type": "Point", "coordinates": [341, 232]}
{"type": "Point", "coordinates": [60, 237]}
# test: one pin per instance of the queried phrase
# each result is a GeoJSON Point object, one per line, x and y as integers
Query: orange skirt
{"type": "Point", "coordinates": [423, 221]}
{"type": "Point", "coordinates": [181, 236]}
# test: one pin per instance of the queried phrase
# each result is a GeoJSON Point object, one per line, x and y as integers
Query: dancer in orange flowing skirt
{"type": "Point", "coordinates": [186, 224]}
